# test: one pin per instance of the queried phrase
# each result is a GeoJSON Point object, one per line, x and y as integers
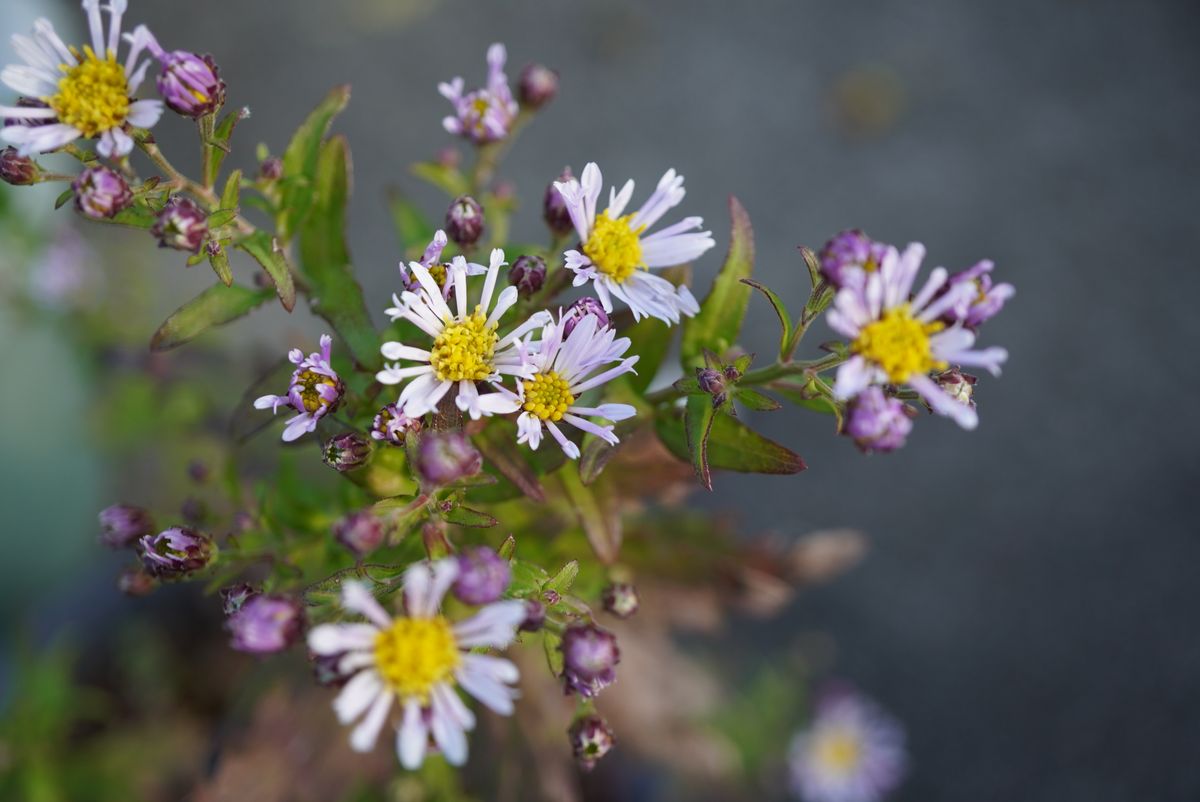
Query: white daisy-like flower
{"type": "Point", "coordinates": [897, 338]}
{"type": "Point", "coordinates": [432, 261]}
{"type": "Point", "coordinates": [467, 347]}
{"type": "Point", "coordinates": [616, 254]}
{"type": "Point", "coordinates": [564, 367]}
{"type": "Point", "coordinates": [84, 93]}
{"type": "Point", "coordinates": [417, 662]}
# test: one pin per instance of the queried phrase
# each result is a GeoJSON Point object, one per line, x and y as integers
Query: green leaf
{"type": "Point", "coordinates": [218, 146]}
{"type": "Point", "coordinates": [216, 306]}
{"type": "Point", "coordinates": [221, 217]}
{"type": "Point", "coordinates": [814, 266]}
{"type": "Point", "coordinates": [785, 319]}
{"type": "Point", "coordinates": [300, 159]}
{"type": "Point", "coordinates": [508, 548]}
{"type": "Point", "coordinates": [266, 251]}
{"type": "Point", "coordinates": [495, 442]}
{"type": "Point", "coordinates": [63, 198]}
{"type": "Point", "coordinates": [448, 179]}
{"type": "Point", "coordinates": [650, 339]}
{"type": "Point", "coordinates": [698, 417]}
{"type": "Point", "coordinates": [413, 230]}
{"type": "Point", "coordinates": [798, 395]}
{"type": "Point", "coordinates": [465, 516]}
{"type": "Point", "coordinates": [527, 579]}
{"type": "Point", "coordinates": [220, 265]}
{"type": "Point", "coordinates": [601, 522]}
{"type": "Point", "coordinates": [755, 400]}
{"type": "Point", "coordinates": [562, 581]}
{"type": "Point", "coordinates": [552, 646]}
{"type": "Point", "coordinates": [719, 322]}
{"type": "Point", "coordinates": [731, 446]}
{"type": "Point", "coordinates": [136, 216]}
{"type": "Point", "coordinates": [231, 197]}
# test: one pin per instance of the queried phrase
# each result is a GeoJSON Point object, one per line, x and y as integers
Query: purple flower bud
{"type": "Point", "coordinates": [101, 193]}
{"type": "Point", "coordinates": [958, 385]}
{"type": "Point", "coordinates": [266, 624]}
{"type": "Point", "coordinates": [551, 597]}
{"type": "Point", "coordinates": [175, 552]}
{"type": "Point", "coordinates": [16, 169]}
{"type": "Point", "coordinates": [590, 656]}
{"type": "Point", "coordinates": [360, 532]}
{"type": "Point", "coordinates": [271, 169]}
{"type": "Point", "coordinates": [234, 597]}
{"type": "Point", "coordinates": [445, 457]}
{"type": "Point", "coordinates": [346, 451]}
{"type": "Point", "coordinates": [392, 425]}
{"type": "Point", "coordinates": [181, 225]}
{"type": "Point", "coordinates": [877, 423]}
{"type": "Point", "coordinates": [535, 616]}
{"type": "Point", "coordinates": [591, 739]}
{"type": "Point", "coordinates": [190, 85]}
{"type": "Point", "coordinates": [848, 255]}
{"type": "Point", "coordinates": [198, 472]}
{"type": "Point", "coordinates": [464, 221]}
{"type": "Point", "coordinates": [621, 599]}
{"type": "Point", "coordinates": [711, 381]}
{"type": "Point", "coordinates": [581, 309]}
{"type": "Point", "coordinates": [554, 207]}
{"type": "Point", "coordinates": [483, 575]}
{"type": "Point", "coordinates": [122, 525]}
{"type": "Point", "coordinates": [538, 85]}
{"type": "Point", "coordinates": [527, 274]}
{"type": "Point", "coordinates": [134, 581]}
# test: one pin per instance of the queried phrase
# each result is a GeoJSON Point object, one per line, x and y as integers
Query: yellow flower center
{"type": "Point", "coordinates": [309, 381]}
{"type": "Point", "coordinates": [547, 395]}
{"type": "Point", "coordinates": [839, 752]}
{"type": "Point", "coordinates": [614, 247]}
{"type": "Point", "coordinates": [464, 351]}
{"type": "Point", "coordinates": [414, 654]}
{"type": "Point", "coordinates": [899, 343]}
{"type": "Point", "coordinates": [439, 274]}
{"type": "Point", "coordinates": [93, 96]}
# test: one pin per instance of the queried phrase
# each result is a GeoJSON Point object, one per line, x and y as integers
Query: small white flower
{"type": "Point", "coordinates": [616, 255]}
{"type": "Point", "coordinates": [418, 662]}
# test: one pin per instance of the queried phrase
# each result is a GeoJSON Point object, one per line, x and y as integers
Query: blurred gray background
{"type": "Point", "coordinates": [1029, 605]}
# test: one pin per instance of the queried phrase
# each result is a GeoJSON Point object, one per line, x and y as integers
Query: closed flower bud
{"type": "Point", "coordinates": [122, 525]}
{"type": "Point", "coordinates": [271, 169]}
{"type": "Point", "coordinates": [190, 85]}
{"type": "Point", "coordinates": [582, 308]}
{"type": "Point", "coordinates": [198, 472]}
{"type": "Point", "coordinates": [535, 616]}
{"type": "Point", "coordinates": [101, 193]}
{"type": "Point", "coordinates": [554, 208]}
{"type": "Point", "coordinates": [266, 624]}
{"type": "Point", "coordinates": [621, 599]}
{"type": "Point", "coordinates": [711, 381]}
{"type": "Point", "coordinates": [234, 597]}
{"type": "Point", "coordinates": [464, 221]}
{"type": "Point", "coordinates": [181, 225]}
{"type": "Point", "coordinates": [346, 451]}
{"type": "Point", "coordinates": [16, 169]}
{"type": "Point", "coordinates": [591, 739]}
{"type": "Point", "coordinates": [538, 85]}
{"type": "Point", "coordinates": [590, 657]}
{"type": "Point", "coordinates": [175, 552]}
{"type": "Point", "coordinates": [445, 457]}
{"type": "Point", "coordinates": [527, 274]}
{"type": "Point", "coordinates": [134, 581]}
{"type": "Point", "coordinates": [483, 576]}
{"type": "Point", "coordinates": [877, 423]}
{"type": "Point", "coordinates": [360, 532]}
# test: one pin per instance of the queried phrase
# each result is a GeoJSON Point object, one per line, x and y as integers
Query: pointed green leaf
{"type": "Point", "coordinates": [266, 251]}
{"type": "Point", "coordinates": [597, 453]}
{"type": "Point", "coordinates": [218, 145]}
{"type": "Point", "coordinates": [232, 196]}
{"type": "Point", "coordinates": [561, 582]}
{"type": "Point", "coordinates": [465, 516]}
{"type": "Point", "coordinates": [300, 159]}
{"type": "Point", "coordinates": [221, 217]}
{"type": "Point", "coordinates": [220, 266]}
{"type": "Point", "coordinates": [698, 417]}
{"type": "Point", "coordinates": [63, 198]}
{"type": "Point", "coordinates": [785, 319]}
{"type": "Point", "coordinates": [448, 179]}
{"type": "Point", "coordinates": [731, 446]}
{"type": "Point", "coordinates": [720, 320]}
{"type": "Point", "coordinates": [508, 548]}
{"type": "Point", "coordinates": [650, 339]}
{"type": "Point", "coordinates": [755, 400]}
{"type": "Point", "coordinates": [552, 646]}
{"type": "Point", "coordinates": [600, 521]}
{"type": "Point", "coordinates": [215, 306]}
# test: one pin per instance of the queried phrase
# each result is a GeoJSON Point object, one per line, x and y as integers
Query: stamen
{"type": "Point", "coordinates": [464, 351]}
{"type": "Point", "coordinates": [899, 344]}
{"type": "Point", "coordinates": [93, 95]}
{"type": "Point", "coordinates": [548, 396]}
{"type": "Point", "coordinates": [415, 654]}
{"type": "Point", "coordinates": [614, 247]}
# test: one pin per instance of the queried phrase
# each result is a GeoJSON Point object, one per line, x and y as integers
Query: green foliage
{"type": "Point", "coordinates": [730, 444]}
{"type": "Point", "coordinates": [267, 251]}
{"type": "Point", "coordinates": [214, 307]}
{"type": "Point", "coordinates": [719, 322]}
{"type": "Point", "coordinates": [300, 160]}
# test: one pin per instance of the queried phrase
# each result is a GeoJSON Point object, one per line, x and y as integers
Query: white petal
{"type": "Point", "coordinates": [357, 598]}
{"type": "Point", "coordinates": [494, 625]}
{"type": "Point", "coordinates": [447, 733]}
{"type": "Point", "coordinates": [364, 736]}
{"type": "Point", "coordinates": [337, 638]}
{"type": "Point", "coordinates": [145, 113]}
{"type": "Point", "coordinates": [413, 738]}
{"type": "Point", "coordinates": [360, 692]}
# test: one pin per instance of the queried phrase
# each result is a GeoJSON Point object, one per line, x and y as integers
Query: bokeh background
{"type": "Point", "coordinates": [1028, 606]}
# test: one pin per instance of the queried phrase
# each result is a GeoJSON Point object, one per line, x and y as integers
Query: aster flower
{"type": "Point", "coordinates": [467, 346]}
{"type": "Point", "coordinates": [487, 114]}
{"type": "Point", "coordinates": [876, 422]}
{"type": "Point", "coordinates": [315, 391]}
{"type": "Point", "coordinates": [417, 662]}
{"type": "Point", "coordinates": [616, 254]}
{"type": "Point", "coordinates": [86, 93]}
{"type": "Point", "coordinates": [852, 752]}
{"type": "Point", "coordinates": [986, 300]}
{"type": "Point", "coordinates": [391, 425]}
{"type": "Point", "coordinates": [847, 258]}
{"type": "Point", "coordinates": [898, 338]}
{"type": "Point", "coordinates": [563, 367]}
{"type": "Point", "coordinates": [431, 260]}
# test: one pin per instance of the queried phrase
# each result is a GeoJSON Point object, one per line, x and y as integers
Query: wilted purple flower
{"type": "Point", "coordinates": [483, 576]}
{"type": "Point", "coordinates": [175, 552]}
{"type": "Point", "coordinates": [266, 624]}
{"type": "Point", "coordinates": [122, 525]}
{"type": "Point", "coordinates": [346, 451]}
{"type": "Point", "coordinates": [101, 193]}
{"type": "Point", "coordinates": [234, 597]}
{"type": "Point", "coordinates": [987, 300]}
{"type": "Point", "coordinates": [849, 255]}
{"type": "Point", "coordinates": [181, 225]}
{"type": "Point", "coordinates": [590, 656]}
{"type": "Point", "coordinates": [877, 423]}
{"type": "Point", "coordinates": [445, 457]}
{"type": "Point", "coordinates": [591, 739]}
{"type": "Point", "coordinates": [527, 274]}
{"type": "Point", "coordinates": [392, 425]}
{"type": "Point", "coordinates": [554, 206]}
{"type": "Point", "coordinates": [360, 532]}
{"type": "Point", "coordinates": [621, 599]}
{"type": "Point", "coordinates": [190, 85]}
{"type": "Point", "coordinates": [851, 752]}
{"type": "Point", "coordinates": [464, 221]}
{"type": "Point", "coordinates": [315, 391]}
{"type": "Point", "coordinates": [535, 616]}
{"type": "Point", "coordinates": [16, 169]}
{"type": "Point", "coordinates": [134, 581]}
{"type": "Point", "coordinates": [487, 114]}
{"type": "Point", "coordinates": [582, 308]}
{"type": "Point", "coordinates": [538, 85]}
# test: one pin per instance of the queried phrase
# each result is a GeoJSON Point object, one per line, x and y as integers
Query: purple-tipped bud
{"type": "Point", "coordinates": [271, 169]}
{"type": "Point", "coordinates": [445, 457]}
{"type": "Point", "coordinates": [391, 425]}
{"type": "Point", "coordinates": [266, 624]}
{"type": "Point", "coordinates": [535, 616]}
{"type": "Point", "coordinates": [584, 307]}
{"type": "Point", "coordinates": [848, 255]}
{"type": "Point", "coordinates": [16, 169]}
{"type": "Point", "coordinates": [346, 451]}
{"type": "Point", "coordinates": [181, 225]}
{"type": "Point", "coordinates": [122, 525]}
{"type": "Point", "coordinates": [527, 274]}
{"type": "Point", "coordinates": [554, 207]}
{"type": "Point", "coordinates": [360, 532]}
{"type": "Point", "coordinates": [590, 657]}
{"type": "Point", "coordinates": [551, 597]}
{"type": "Point", "coordinates": [190, 85]}
{"type": "Point", "coordinates": [234, 597]}
{"type": "Point", "coordinates": [101, 193]}
{"type": "Point", "coordinates": [538, 85]}
{"type": "Point", "coordinates": [483, 576]}
{"type": "Point", "coordinates": [175, 552]}
{"type": "Point", "coordinates": [876, 422]}
{"type": "Point", "coordinates": [591, 739]}
{"type": "Point", "coordinates": [711, 381]}
{"type": "Point", "coordinates": [134, 581]}
{"type": "Point", "coordinates": [958, 385]}
{"type": "Point", "coordinates": [621, 599]}
{"type": "Point", "coordinates": [464, 221]}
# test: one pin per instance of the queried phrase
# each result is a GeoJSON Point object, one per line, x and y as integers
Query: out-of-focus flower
{"type": "Point", "coordinates": [60, 277]}
{"type": "Point", "coordinates": [848, 257]}
{"type": "Point", "coordinates": [898, 338]}
{"type": "Point", "coordinates": [416, 662]}
{"type": "Point", "coordinates": [464, 221]}
{"type": "Point", "coordinates": [535, 616]}
{"type": "Point", "coordinates": [621, 599]}
{"type": "Point", "coordinates": [537, 86]}
{"type": "Point", "coordinates": [271, 168]}
{"type": "Point", "coordinates": [554, 206]}
{"type": "Point", "coordinates": [527, 274]}
{"type": "Point", "coordinates": [441, 272]}
{"type": "Point", "coordinates": [876, 422]}
{"type": "Point", "coordinates": [346, 451]}
{"type": "Point", "coordinates": [591, 739]}
{"type": "Point", "coordinates": [190, 84]}
{"type": "Point", "coordinates": [181, 225]}
{"type": "Point", "coordinates": [617, 255]}
{"type": "Point", "coordinates": [483, 576]}
{"type": "Point", "coordinates": [584, 307]}
{"type": "Point", "coordinates": [487, 114]}
{"type": "Point", "coordinates": [266, 624]}
{"type": "Point", "coordinates": [360, 532]}
{"type": "Point", "coordinates": [16, 169]}
{"type": "Point", "coordinates": [134, 581]}
{"type": "Point", "coordinates": [984, 301]}
{"type": "Point", "coordinates": [851, 752]}
{"type": "Point", "coordinates": [122, 525]}
{"type": "Point", "coordinates": [175, 552]}
{"type": "Point", "coordinates": [88, 93]}
{"type": "Point", "coordinates": [392, 425]}
{"type": "Point", "coordinates": [315, 391]}
{"type": "Point", "coordinates": [590, 657]}
{"type": "Point", "coordinates": [233, 597]}
{"type": "Point", "coordinates": [445, 457]}
{"type": "Point", "coordinates": [101, 193]}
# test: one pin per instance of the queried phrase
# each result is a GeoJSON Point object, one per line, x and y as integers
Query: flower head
{"type": "Point", "coordinates": [464, 221]}
{"type": "Point", "coordinates": [527, 274]}
{"type": "Point", "coordinates": [346, 451]}
{"type": "Point", "coordinates": [584, 307]}
{"type": "Point", "coordinates": [487, 114]}
{"type": "Point", "coordinates": [391, 425]}
{"type": "Point", "coordinates": [590, 657]}
{"type": "Point", "coordinates": [849, 257]}
{"type": "Point", "coordinates": [445, 457]}
{"type": "Point", "coordinates": [483, 576]}
{"type": "Point", "coordinates": [621, 599]}
{"type": "Point", "coordinates": [876, 422]}
{"type": "Point", "coordinates": [191, 85]}
{"type": "Point", "coordinates": [181, 225]}
{"type": "Point", "coordinates": [984, 301]}
{"type": "Point", "coordinates": [360, 532]}
{"type": "Point", "coordinates": [417, 662]}
{"type": "Point", "coordinates": [87, 92]}
{"type": "Point", "coordinates": [899, 338]}
{"type": "Point", "coordinates": [101, 193]}
{"type": "Point", "coordinates": [442, 272]}
{"type": "Point", "coordinates": [616, 254]}
{"type": "Point", "coordinates": [16, 169]}
{"type": "Point", "coordinates": [175, 552]}
{"type": "Point", "coordinates": [315, 391]}
{"type": "Point", "coordinates": [554, 206]}
{"type": "Point", "coordinates": [122, 525]}
{"type": "Point", "coordinates": [537, 86]}
{"type": "Point", "coordinates": [591, 739]}
{"type": "Point", "coordinates": [266, 624]}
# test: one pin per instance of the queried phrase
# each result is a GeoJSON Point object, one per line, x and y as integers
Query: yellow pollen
{"type": "Point", "coordinates": [438, 272]}
{"type": "Point", "coordinates": [464, 351]}
{"type": "Point", "coordinates": [309, 382]}
{"type": "Point", "coordinates": [414, 654]}
{"type": "Point", "coordinates": [899, 344]}
{"type": "Point", "coordinates": [547, 395]}
{"type": "Point", "coordinates": [839, 752]}
{"type": "Point", "coordinates": [93, 95]}
{"type": "Point", "coordinates": [614, 247]}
